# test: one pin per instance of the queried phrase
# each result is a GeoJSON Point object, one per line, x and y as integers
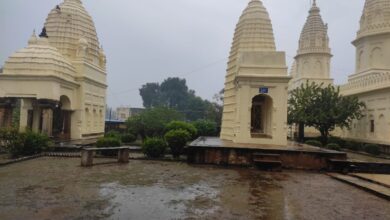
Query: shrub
{"type": "Point", "coordinates": [128, 138]}
{"type": "Point", "coordinates": [206, 128]}
{"type": "Point", "coordinates": [176, 125]}
{"type": "Point", "coordinates": [6, 138]}
{"type": "Point", "coordinates": [372, 149]}
{"type": "Point", "coordinates": [26, 144]}
{"type": "Point", "coordinates": [314, 143]}
{"type": "Point", "coordinates": [177, 139]}
{"type": "Point", "coordinates": [154, 147]}
{"type": "Point", "coordinates": [152, 122]}
{"type": "Point", "coordinates": [333, 146]}
{"type": "Point", "coordinates": [108, 142]}
{"type": "Point", "coordinates": [336, 140]}
{"type": "Point", "coordinates": [113, 134]}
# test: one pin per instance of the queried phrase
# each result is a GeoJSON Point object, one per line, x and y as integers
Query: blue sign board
{"type": "Point", "coordinates": [263, 90]}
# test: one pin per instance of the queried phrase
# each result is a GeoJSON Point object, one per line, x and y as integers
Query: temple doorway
{"type": "Point", "coordinates": [62, 116]}
{"type": "Point", "coordinates": [261, 115]}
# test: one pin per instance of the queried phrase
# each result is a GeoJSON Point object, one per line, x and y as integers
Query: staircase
{"type": "Point", "coordinates": [367, 183]}
{"type": "Point", "coordinates": [267, 161]}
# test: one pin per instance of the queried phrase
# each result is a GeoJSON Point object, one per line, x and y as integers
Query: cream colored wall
{"type": "Point", "coordinates": [372, 55]}
{"type": "Point", "coordinates": [378, 109]}
{"type": "Point", "coordinates": [255, 70]}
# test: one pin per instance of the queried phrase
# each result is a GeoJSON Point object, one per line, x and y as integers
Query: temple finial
{"type": "Point", "coordinates": [314, 2]}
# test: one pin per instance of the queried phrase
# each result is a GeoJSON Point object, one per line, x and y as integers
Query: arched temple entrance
{"type": "Point", "coordinates": [62, 119]}
{"type": "Point", "coordinates": [261, 116]}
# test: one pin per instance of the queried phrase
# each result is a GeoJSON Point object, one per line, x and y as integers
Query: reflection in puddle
{"type": "Point", "coordinates": [160, 202]}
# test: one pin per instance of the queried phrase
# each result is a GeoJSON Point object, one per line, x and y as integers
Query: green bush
{"type": "Point", "coordinates": [177, 140]}
{"type": "Point", "coordinates": [176, 125]}
{"type": "Point", "coordinates": [336, 140]}
{"type": "Point", "coordinates": [372, 149]}
{"type": "Point", "coordinates": [314, 143]}
{"type": "Point", "coordinates": [27, 143]}
{"type": "Point", "coordinates": [128, 138]}
{"type": "Point", "coordinates": [206, 128]}
{"type": "Point", "coordinates": [354, 146]}
{"type": "Point", "coordinates": [113, 134]}
{"type": "Point", "coordinates": [154, 147]}
{"type": "Point", "coordinates": [333, 146]}
{"type": "Point", "coordinates": [108, 142]}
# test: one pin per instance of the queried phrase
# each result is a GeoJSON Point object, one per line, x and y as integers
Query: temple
{"type": "Point", "coordinates": [312, 62]}
{"type": "Point", "coordinates": [255, 95]}
{"type": "Point", "coordinates": [371, 80]}
{"type": "Point", "coordinates": [57, 84]}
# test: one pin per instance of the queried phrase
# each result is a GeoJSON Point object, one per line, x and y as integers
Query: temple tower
{"type": "Point", "coordinates": [314, 55]}
{"type": "Point", "coordinates": [255, 98]}
{"type": "Point", "coordinates": [371, 80]}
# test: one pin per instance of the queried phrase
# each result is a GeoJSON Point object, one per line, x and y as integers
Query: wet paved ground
{"type": "Point", "coordinates": [50, 188]}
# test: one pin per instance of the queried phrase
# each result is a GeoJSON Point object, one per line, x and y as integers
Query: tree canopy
{"type": "Point", "coordinates": [174, 93]}
{"type": "Point", "coordinates": [323, 108]}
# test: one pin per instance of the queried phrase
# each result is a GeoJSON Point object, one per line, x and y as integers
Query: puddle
{"type": "Point", "coordinates": [159, 202]}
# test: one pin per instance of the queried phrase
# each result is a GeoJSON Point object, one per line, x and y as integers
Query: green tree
{"type": "Point", "coordinates": [151, 95]}
{"type": "Point", "coordinates": [299, 104]}
{"type": "Point", "coordinates": [173, 93]}
{"type": "Point", "coordinates": [152, 122]}
{"type": "Point", "coordinates": [323, 108]}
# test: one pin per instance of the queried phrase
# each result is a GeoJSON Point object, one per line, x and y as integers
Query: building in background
{"type": "Point", "coordinates": [255, 94]}
{"type": "Point", "coordinates": [58, 81]}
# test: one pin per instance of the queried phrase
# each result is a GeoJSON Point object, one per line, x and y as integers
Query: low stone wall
{"type": "Point", "coordinates": [244, 157]}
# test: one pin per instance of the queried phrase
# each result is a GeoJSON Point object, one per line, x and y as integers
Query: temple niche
{"type": "Point", "coordinates": [255, 99]}
{"type": "Point", "coordinates": [58, 75]}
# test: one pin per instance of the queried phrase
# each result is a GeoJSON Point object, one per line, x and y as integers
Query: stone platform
{"type": "Point", "coordinates": [213, 150]}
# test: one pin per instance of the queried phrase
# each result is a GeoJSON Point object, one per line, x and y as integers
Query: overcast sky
{"type": "Point", "coordinates": [148, 41]}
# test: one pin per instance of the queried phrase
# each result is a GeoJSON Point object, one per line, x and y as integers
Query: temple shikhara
{"type": "Point", "coordinates": [57, 83]}
{"type": "Point", "coordinates": [371, 80]}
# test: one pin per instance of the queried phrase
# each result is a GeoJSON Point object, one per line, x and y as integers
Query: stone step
{"type": "Point", "coordinates": [371, 187]}
{"type": "Point", "coordinates": [381, 179]}
{"type": "Point", "coordinates": [275, 165]}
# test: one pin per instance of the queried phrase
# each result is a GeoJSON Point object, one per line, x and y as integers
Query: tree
{"type": "Point", "coordinates": [299, 103]}
{"type": "Point", "coordinates": [173, 93]}
{"type": "Point", "coordinates": [151, 95]}
{"type": "Point", "coordinates": [323, 108]}
{"type": "Point", "coordinates": [152, 122]}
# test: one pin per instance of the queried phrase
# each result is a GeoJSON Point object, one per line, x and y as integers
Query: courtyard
{"type": "Point", "coordinates": [58, 188]}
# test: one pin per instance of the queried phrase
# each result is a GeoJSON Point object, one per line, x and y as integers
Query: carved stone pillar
{"type": "Point", "coordinates": [47, 121]}
{"type": "Point", "coordinates": [8, 117]}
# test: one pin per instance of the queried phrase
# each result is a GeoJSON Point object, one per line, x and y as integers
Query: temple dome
{"type": "Point", "coordinates": [254, 30]}
{"type": "Point", "coordinates": [69, 22]}
{"type": "Point", "coordinates": [375, 18]}
{"type": "Point", "coordinates": [39, 58]}
{"type": "Point", "coordinates": [314, 36]}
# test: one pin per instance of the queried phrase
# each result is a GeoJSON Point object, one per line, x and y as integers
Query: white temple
{"type": "Point", "coordinates": [58, 81]}
{"type": "Point", "coordinates": [312, 62]}
{"type": "Point", "coordinates": [371, 80]}
{"type": "Point", "coordinates": [255, 99]}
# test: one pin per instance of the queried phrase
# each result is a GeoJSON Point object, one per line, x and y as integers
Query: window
{"type": "Point", "coordinates": [372, 126]}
